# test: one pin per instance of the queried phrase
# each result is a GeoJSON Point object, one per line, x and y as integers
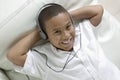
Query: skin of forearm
{"type": "Point", "coordinates": [93, 13]}
{"type": "Point", "coordinates": [17, 54]}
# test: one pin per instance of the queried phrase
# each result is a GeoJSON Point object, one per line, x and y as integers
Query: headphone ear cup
{"type": "Point", "coordinates": [43, 35]}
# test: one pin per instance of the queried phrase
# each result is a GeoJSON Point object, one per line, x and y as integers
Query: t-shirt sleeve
{"type": "Point", "coordinates": [34, 65]}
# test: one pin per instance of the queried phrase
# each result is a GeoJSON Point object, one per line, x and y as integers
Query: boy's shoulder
{"type": "Point", "coordinates": [44, 47]}
{"type": "Point", "coordinates": [84, 24]}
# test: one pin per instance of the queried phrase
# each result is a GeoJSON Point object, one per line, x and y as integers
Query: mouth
{"type": "Point", "coordinates": [68, 42]}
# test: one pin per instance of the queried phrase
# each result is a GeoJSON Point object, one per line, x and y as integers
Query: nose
{"type": "Point", "coordinates": [65, 35]}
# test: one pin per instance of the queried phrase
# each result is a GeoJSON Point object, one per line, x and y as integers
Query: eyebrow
{"type": "Point", "coordinates": [68, 22]}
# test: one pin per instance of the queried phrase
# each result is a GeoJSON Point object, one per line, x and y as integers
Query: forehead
{"type": "Point", "coordinates": [58, 21]}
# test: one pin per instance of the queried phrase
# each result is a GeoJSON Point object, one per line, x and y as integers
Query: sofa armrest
{"type": "Point", "coordinates": [3, 75]}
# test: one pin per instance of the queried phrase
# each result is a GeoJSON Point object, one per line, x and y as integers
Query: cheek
{"type": "Point", "coordinates": [73, 32]}
{"type": "Point", "coordinates": [54, 39]}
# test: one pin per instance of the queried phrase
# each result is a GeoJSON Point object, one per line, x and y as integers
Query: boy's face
{"type": "Point", "coordinates": [60, 31]}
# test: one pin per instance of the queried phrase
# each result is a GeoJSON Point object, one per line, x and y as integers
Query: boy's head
{"type": "Point", "coordinates": [57, 26]}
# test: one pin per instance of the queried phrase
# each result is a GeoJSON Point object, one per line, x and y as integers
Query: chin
{"type": "Point", "coordinates": [68, 49]}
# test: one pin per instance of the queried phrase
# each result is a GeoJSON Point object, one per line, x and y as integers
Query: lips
{"type": "Point", "coordinates": [67, 42]}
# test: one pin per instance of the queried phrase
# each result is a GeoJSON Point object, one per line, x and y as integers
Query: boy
{"type": "Point", "coordinates": [71, 53]}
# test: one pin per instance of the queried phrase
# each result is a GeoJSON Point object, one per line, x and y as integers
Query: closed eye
{"type": "Point", "coordinates": [57, 32]}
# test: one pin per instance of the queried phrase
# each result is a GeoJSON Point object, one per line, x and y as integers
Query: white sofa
{"type": "Point", "coordinates": [17, 18]}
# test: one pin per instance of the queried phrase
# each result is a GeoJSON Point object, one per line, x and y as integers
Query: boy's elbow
{"type": "Point", "coordinates": [100, 14]}
{"type": "Point", "coordinates": [16, 59]}
{"type": "Point", "coordinates": [95, 20]}
{"type": "Point", "coordinates": [101, 10]}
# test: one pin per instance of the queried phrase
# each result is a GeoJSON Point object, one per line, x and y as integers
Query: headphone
{"type": "Point", "coordinates": [42, 32]}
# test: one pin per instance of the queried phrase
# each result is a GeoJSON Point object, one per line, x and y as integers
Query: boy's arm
{"type": "Point", "coordinates": [17, 54]}
{"type": "Point", "coordinates": [93, 13]}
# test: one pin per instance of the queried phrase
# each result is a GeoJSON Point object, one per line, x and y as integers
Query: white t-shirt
{"type": "Point", "coordinates": [85, 62]}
